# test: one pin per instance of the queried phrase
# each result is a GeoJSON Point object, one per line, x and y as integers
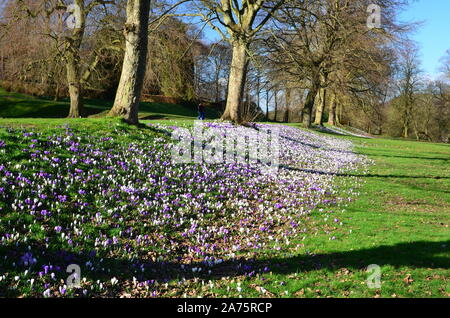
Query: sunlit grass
{"type": "Point", "coordinates": [398, 221]}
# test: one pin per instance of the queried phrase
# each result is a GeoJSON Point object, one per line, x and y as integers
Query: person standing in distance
{"type": "Point", "coordinates": [201, 111]}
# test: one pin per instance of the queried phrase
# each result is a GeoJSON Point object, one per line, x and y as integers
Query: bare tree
{"type": "Point", "coordinates": [312, 40]}
{"type": "Point", "coordinates": [408, 85]}
{"type": "Point", "coordinates": [304, 43]}
{"type": "Point", "coordinates": [66, 25]}
{"type": "Point", "coordinates": [221, 58]}
{"type": "Point", "coordinates": [242, 23]}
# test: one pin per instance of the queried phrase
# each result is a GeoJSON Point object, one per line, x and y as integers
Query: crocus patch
{"type": "Point", "coordinates": [133, 221]}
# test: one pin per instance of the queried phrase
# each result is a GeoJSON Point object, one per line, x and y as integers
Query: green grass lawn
{"type": "Point", "coordinates": [14, 105]}
{"type": "Point", "coordinates": [399, 219]}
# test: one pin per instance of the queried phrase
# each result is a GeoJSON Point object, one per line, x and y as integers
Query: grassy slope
{"type": "Point", "coordinates": [400, 222]}
{"type": "Point", "coordinates": [14, 105]}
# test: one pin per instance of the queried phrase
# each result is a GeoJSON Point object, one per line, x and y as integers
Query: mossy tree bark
{"type": "Point", "coordinates": [126, 103]}
{"type": "Point", "coordinates": [309, 103]}
{"type": "Point", "coordinates": [275, 98]}
{"type": "Point", "coordinates": [236, 82]}
{"type": "Point", "coordinates": [320, 107]}
{"type": "Point", "coordinates": [332, 111]}
{"type": "Point", "coordinates": [73, 61]}
{"type": "Point", "coordinates": [287, 94]}
{"type": "Point", "coordinates": [73, 78]}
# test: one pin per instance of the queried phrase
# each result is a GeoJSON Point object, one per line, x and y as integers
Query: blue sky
{"type": "Point", "coordinates": [433, 36]}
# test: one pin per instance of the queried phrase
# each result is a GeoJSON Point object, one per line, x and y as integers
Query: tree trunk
{"type": "Point", "coordinates": [275, 94]}
{"type": "Point", "coordinates": [288, 105]}
{"type": "Point", "coordinates": [217, 85]}
{"type": "Point", "coordinates": [236, 82]}
{"type": "Point", "coordinates": [309, 103]}
{"type": "Point", "coordinates": [73, 78]}
{"type": "Point", "coordinates": [126, 103]}
{"type": "Point", "coordinates": [332, 112]}
{"type": "Point", "coordinates": [320, 107]}
{"type": "Point", "coordinates": [406, 121]}
{"type": "Point", "coordinates": [258, 97]}
{"type": "Point", "coordinates": [73, 62]}
{"type": "Point", "coordinates": [267, 104]}
{"type": "Point", "coordinates": [339, 112]}
{"type": "Point", "coordinates": [300, 111]}
{"type": "Point", "coordinates": [245, 114]}
{"type": "Point", "coordinates": [405, 130]}
{"type": "Point", "coordinates": [56, 98]}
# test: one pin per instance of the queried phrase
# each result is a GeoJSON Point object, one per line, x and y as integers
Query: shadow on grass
{"type": "Point", "coordinates": [327, 131]}
{"type": "Point", "coordinates": [44, 108]}
{"type": "Point", "coordinates": [13, 105]}
{"type": "Point", "coordinates": [360, 175]}
{"type": "Point", "coordinates": [306, 144]}
{"type": "Point", "coordinates": [153, 117]}
{"type": "Point", "coordinates": [409, 157]}
{"type": "Point", "coordinates": [414, 255]}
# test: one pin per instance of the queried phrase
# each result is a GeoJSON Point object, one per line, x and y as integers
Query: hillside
{"type": "Point", "coordinates": [14, 105]}
{"type": "Point", "coordinates": [114, 204]}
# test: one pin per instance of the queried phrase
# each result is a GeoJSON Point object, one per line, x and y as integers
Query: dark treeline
{"type": "Point", "coordinates": [341, 62]}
